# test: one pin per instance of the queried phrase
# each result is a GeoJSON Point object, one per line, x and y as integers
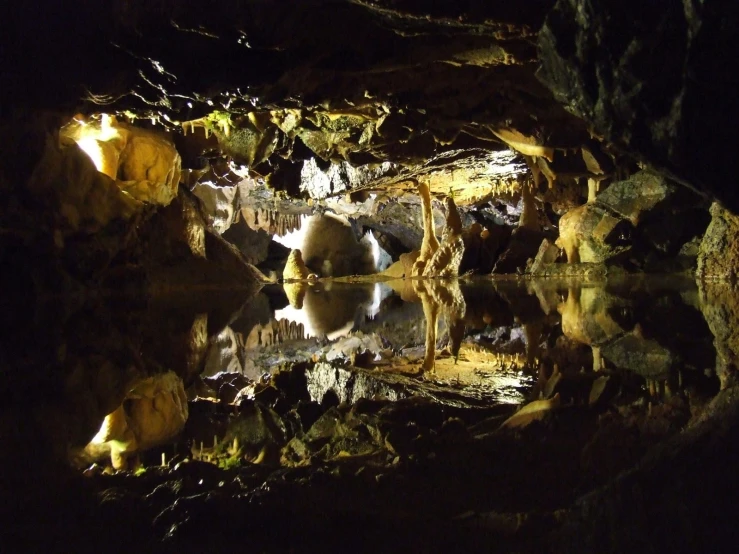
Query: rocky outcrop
{"type": "Point", "coordinates": [218, 205]}
{"type": "Point", "coordinates": [295, 268]}
{"type": "Point", "coordinates": [638, 222]}
{"type": "Point", "coordinates": [718, 255]}
{"type": "Point", "coordinates": [331, 249]}
{"type": "Point", "coordinates": [663, 92]}
{"type": "Point", "coordinates": [65, 178]}
{"type": "Point", "coordinates": [144, 164]}
{"type": "Point", "coordinates": [153, 412]}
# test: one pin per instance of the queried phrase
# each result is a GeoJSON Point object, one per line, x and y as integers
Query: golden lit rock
{"type": "Point", "coordinates": [153, 412]}
{"type": "Point", "coordinates": [448, 256]}
{"type": "Point", "coordinates": [143, 163]}
{"type": "Point", "coordinates": [527, 145]}
{"type": "Point", "coordinates": [718, 256]}
{"type": "Point", "coordinates": [534, 411]}
{"type": "Point", "coordinates": [295, 268]}
{"type": "Point", "coordinates": [87, 199]}
{"type": "Point", "coordinates": [430, 243]}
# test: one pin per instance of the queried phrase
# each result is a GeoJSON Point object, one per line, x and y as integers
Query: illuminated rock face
{"type": "Point", "coordinates": [143, 164]}
{"type": "Point", "coordinates": [718, 257]}
{"type": "Point", "coordinates": [644, 217]}
{"type": "Point", "coordinates": [330, 249]}
{"type": "Point", "coordinates": [219, 205]}
{"type": "Point", "coordinates": [586, 232]}
{"type": "Point", "coordinates": [86, 199]}
{"type": "Point", "coordinates": [153, 412]}
{"type": "Point", "coordinates": [295, 267]}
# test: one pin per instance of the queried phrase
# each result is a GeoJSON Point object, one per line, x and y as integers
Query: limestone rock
{"type": "Point", "coordinates": [295, 267]}
{"type": "Point", "coordinates": [219, 205]}
{"type": "Point", "coordinates": [143, 163]}
{"type": "Point", "coordinates": [548, 254]}
{"type": "Point", "coordinates": [590, 234]}
{"type": "Point", "coordinates": [86, 199]}
{"type": "Point", "coordinates": [331, 249]}
{"type": "Point", "coordinates": [644, 357]}
{"type": "Point", "coordinates": [720, 308]}
{"type": "Point", "coordinates": [636, 196]}
{"type": "Point", "coordinates": [643, 219]}
{"type": "Point", "coordinates": [673, 121]}
{"type": "Point", "coordinates": [154, 411]}
{"type": "Point", "coordinates": [403, 267]}
{"type": "Point", "coordinates": [718, 256]}
{"type": "Point", "coordinates": [523, 246]}
{"type": "Point", "coordinates": [183, 224]}
{"type": "Point", "coordinates": [254, 245]}
{"type": "Point", "coordinates": [339, 177]}
{"type": "Point", "coordinates": [222, 354]}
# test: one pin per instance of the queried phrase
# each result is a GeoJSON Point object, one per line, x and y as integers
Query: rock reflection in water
{"type": "Point", "coordinates": [326, 309]}
{"type": "Point", "coordinates": [456, 342]}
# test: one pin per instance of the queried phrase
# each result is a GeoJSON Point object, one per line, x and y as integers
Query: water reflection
{"type": "Point", "coordinates": [125, 370]}
{"type": "Point", "coordinates": [621, 326]}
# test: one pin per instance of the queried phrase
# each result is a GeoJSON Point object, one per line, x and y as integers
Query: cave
{"type": "Point", "coordinates": [369, 275]}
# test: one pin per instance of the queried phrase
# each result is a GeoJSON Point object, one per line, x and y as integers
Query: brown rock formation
{"type": "Point", "coordinates": [154, 411]}
{"type": "Point", "coordinates": [295, 267]}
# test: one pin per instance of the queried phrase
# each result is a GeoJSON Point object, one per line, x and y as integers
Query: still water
{"type": "Point", "coordinates": [470, 344]}
{"type": "Point", "coordinates": [489, 340]}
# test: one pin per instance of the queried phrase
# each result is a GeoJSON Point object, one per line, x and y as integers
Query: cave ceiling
{"type": "Point", "coordinates": [275, 85]}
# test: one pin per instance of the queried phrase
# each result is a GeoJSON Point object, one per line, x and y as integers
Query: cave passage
{"type": "Point", "coordinates": [369, 276]}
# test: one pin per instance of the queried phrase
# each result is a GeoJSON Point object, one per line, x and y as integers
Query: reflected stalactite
{"type": "Point", "coordinates": [532, 333]}
{"type": "Point", "coordinates": [270, 221]}
{"type": "Point", "coordinates": [273, 333]}
{"type": "Point", "coordinates": [288, 330]}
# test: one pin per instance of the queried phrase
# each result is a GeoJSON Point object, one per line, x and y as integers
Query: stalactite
{"type": "Point", "coordinates": [529, 218]}
{"type": "Point", "coordinates": [270, 221]}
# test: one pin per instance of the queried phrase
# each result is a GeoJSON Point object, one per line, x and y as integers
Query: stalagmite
{"type": "Point", "coordinates": [295, 268]}
{"type": "Point", "coordinates": [430, 244]}
{"type": "Point", "coordinates": [448, 256]}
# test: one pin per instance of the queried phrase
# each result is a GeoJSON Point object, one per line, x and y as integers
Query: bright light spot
{"type": "Point", "coordinates": [91, 137]}
{"type": "Point", "coordinates": [102, 434]}
{"type": "Point", "coordinates": [375, 247]}
{"type": "Point", "coordinates": [374, 308]}
{"type": "Point", "coordinates": [94, 151]}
